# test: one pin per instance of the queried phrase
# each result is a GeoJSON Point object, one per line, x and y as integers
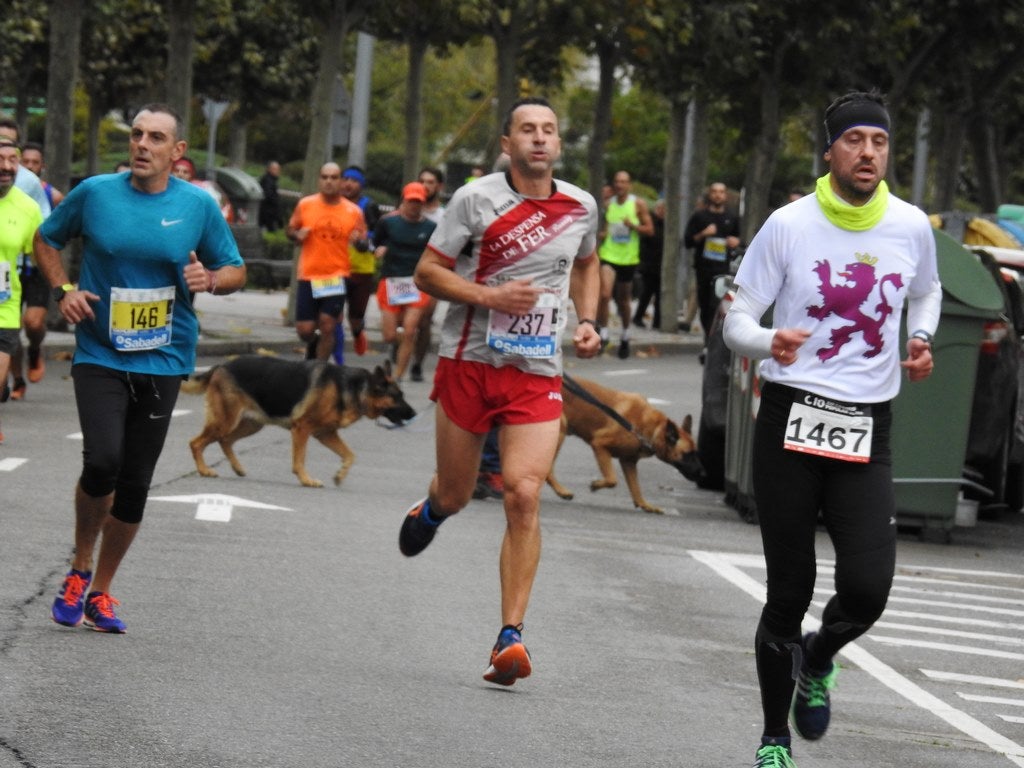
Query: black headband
{"type": "Point", "coordinates": [852, 113]}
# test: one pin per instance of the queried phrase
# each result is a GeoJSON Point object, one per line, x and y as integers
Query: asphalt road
{"type": "Point", "coordinates": [274, 625]}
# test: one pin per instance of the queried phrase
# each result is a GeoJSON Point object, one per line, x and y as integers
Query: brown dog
{"type": "Point", "coordinates": [652, 434]}
{"type": "Point", "coordinates": [309, 398]}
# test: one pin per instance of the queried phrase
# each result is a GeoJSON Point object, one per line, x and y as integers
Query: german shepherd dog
{"type": "Point", "coordinates": [309, 398]}
{"type": "Point", "coordinates": [652, 434]}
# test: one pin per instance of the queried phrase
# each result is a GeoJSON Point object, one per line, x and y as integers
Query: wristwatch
{"type": "Point", "coordinates": [60, 290]}
{"type": "Point", "coordinates": [923, 336]}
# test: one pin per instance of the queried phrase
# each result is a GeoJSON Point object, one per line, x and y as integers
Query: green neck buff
{"type": "Point", "coordinates": [855, 218]}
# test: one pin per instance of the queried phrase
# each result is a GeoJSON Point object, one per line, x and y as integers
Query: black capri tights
{"type": "Point", "coordinates": [124, 419]}
{"type": "Point", "coordinates": [857, 506]}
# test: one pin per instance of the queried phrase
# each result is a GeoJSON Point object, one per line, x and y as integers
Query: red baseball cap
{"type": "Point", "coordinates": [414, 191]}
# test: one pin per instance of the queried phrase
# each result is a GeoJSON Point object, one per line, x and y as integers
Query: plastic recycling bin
{"type": "Point", "coordinates": [931, 418]}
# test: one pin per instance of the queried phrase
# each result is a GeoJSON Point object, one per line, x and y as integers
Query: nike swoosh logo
{"type": "Point", "coordinates": [155, 416]}
{"type": "Point", "coordinates": [166, 223]}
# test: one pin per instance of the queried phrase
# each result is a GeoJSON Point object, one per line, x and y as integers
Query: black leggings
{"type": "Point", "coordinates": [124, 419]}
{"type": "Point", "coordinates": [857, 506]}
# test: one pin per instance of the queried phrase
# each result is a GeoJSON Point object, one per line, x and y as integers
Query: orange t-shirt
{"type": "Point", "coordinates": [331, 228]}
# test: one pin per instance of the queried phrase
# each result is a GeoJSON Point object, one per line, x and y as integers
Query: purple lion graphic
{"type": "Point", "coordinates": [845, 300]}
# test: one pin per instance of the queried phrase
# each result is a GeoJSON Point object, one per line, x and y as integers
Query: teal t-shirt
{"type": "Point", "coordinates": [135, 248]}
{"type": "Point", "coordinates": [405, 241]}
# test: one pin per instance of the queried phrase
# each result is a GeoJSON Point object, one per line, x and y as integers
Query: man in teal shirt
{"type": "Point", "coordinates": [150, 243]}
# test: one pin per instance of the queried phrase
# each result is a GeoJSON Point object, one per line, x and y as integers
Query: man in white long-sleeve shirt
{"type": "Point", "coordinates": [839, 266]}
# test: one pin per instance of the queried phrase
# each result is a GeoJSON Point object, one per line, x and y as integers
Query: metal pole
{"type": "Point", "coordinates": [361, 100]}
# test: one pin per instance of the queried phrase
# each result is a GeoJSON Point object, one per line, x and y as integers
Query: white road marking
{"type": "Point", "coordinates": [11, 463]}
{"type": "Point", "coordinates": [965, 649]}
{"type": "Point", "coordinates": [956, 677]}
{"type": "Point", "coordinates": [217, 507]}
{"type": "Point", "coordinates": [728, 567]}
{"type": "Point", "coordinates": [991, 699]}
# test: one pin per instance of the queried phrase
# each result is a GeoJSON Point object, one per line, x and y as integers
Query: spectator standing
{"type": "Point", "coordinates": [509, 252]}
{"type": "Point", "coordinates": [824, 377]}
{"type": "Point", "coordinates": [270, 206]}
{"type": "Point", "coordinates": [651, 251]}
{"type": "Point", "coordinates": [325, 224]}
{"type": "Point", "coordinates": [712, 232]}
{"type": "Point", "coordinates": [626, 218]}
{"type": "Point", "coordinates": [149, 243]}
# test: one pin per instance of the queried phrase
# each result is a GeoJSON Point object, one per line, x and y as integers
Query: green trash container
{"type": "Point", "coordinates": [741, 413]}
{"type": "Point", "coordinates": [931, 418]}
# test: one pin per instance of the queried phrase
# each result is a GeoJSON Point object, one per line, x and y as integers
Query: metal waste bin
{"type": "Point", "coordinates": [741, 413]}
{"type": "Point", "coordinates": [931, 418]}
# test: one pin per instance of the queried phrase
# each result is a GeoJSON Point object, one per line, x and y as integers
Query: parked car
{"type": "Point", "coordinates": [995, 442]}
{"type": "Point", "coordinates": [994, 460]}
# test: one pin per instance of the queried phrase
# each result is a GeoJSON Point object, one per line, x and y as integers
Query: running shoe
{"type": "Point", "coordinates": [36, 364]}
{"type": "Point", "coordinates": [623, 349]}
{"type": "Point", "coordinates": [774, 756]}
{"type": "Point", "coordinates": [18, 392]}
{"type": "Point", "coordinates": [416, 372]}
{"type": "Point", "coordinates": [69, 604]}
{"type": "Point", "coordinates": [418, 529]}
{"type": "Point", "coordinates": [360, 343]}
{"type": "Point", "coordinates": [99, 614]}
{"type": "Point", "coordinates": [509, 659]}
{"type": "Point", "coordinates": [812, 708]}
{"type": "Point", "coordinates": [489, 485]}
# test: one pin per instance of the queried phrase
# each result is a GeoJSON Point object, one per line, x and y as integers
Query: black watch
{"type": "Point", "coordinates": [60, 290]}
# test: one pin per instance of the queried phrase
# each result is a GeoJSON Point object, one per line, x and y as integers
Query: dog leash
{"type": "Point", "coordinates": [573, 386]}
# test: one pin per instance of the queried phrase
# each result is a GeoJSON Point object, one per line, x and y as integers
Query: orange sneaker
{"type": "Point", "coordinates": [360, 343]}
{"type": "Point", "coordinates": [36, 364]}
{"type": "Point", "coordinates": [510, 660]}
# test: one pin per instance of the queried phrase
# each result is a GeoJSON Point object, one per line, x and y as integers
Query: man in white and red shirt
{"type": "Point", "coordinates": [510, 251]}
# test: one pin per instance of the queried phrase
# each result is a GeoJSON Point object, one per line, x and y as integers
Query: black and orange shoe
{"type": "Point", "coordinates": [510, 660]}
{"type": "Point", "coordinates": [18, 390]}
{"type": "Point", "coordinates": [36, 364]}
{"type": "Point", "coordinates": [418, 529]}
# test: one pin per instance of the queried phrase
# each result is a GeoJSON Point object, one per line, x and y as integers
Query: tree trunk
{"type": "Point", "coordinates": [65, 44]}
{"type": "Point", "coordinates": [602, 127]}
{"type": "Point", "coordinates": [671, 259]}
{"type": "Point", "coordinates": [323, 93]}
{"type": "Point", "coordinates": [507, 44]}
{"type": "Point", "coordinates": [981, 135]}
{"type": "Point", "coordinates": [414, 106]}
{"type": "Point", "coordinates": [238, 140]}
{"type": "Point", "coordinates": [92, 161]}
{"type": "Point", "coordinates": [948, 156]}
{"type": "Point", "coordinates": [761, 165]}
{"type": "Point", "coordinates": [181, 36]}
